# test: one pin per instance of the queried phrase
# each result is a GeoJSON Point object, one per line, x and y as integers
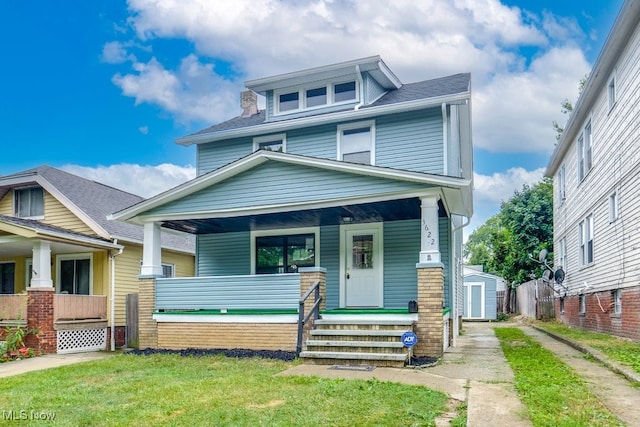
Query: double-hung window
{"type": "Point", "coordinates": [74, 274]}
{"type": "Point", "coordinates": [585, 239]}
{"type": "Point", "coordinates": [29, 202]}
{"type": "Point", "coordinates": [584, 152]}
{"type": "Point", "coordinates": [270, 143]}
{"type": "Point", "coordinates": [356, 143]}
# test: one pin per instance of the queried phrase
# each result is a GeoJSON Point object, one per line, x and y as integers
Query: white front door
{"type": "Point", "coordinates": [362, 266]}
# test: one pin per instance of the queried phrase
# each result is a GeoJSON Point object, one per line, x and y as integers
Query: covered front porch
{"type": "Point", "coordinates": [384, 240]}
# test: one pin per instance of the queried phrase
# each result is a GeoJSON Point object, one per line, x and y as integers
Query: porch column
{"type": "Point", "coordinates": [151, 251]}
{"type": "Point", "coordinates": [429, 239]}
{"type": "Point", "coordinates": [41, 277]}
{"type": "Point", "coordinates": [430, 327]}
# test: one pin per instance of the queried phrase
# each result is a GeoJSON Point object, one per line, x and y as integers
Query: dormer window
{"type": "Point", "coordinates": [29, 202]}
{"type": "Point", "coordinates": [312, 97]}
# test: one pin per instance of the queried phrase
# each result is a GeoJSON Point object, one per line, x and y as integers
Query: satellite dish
{"type": "Point", "coordinates": [543, 255]}
{"type": "Point", "coordinates": [559, 275]}
{"type": "Point", "coordinates": [546, 275]}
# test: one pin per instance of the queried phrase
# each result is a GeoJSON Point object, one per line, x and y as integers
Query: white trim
{"type": "Point", "coordinates": [302, 89]}
{"type": "Point", "coordinates": [371, 124]}
{"type": "Point", "coordinates": [27, 277]}
{"type": "Point", "coordinates": [344, 228]}
{"type": "Point", "coordinates": [261, 156]}
{"type": "Point", "coordinates": [482, 285]}
{"type": "Point", "coordinates": [225, 318]}
{"type": "Point", "coordinates": [284, 232]}
{"type": "Point", "coordinates": [271, 138]}
{"type": "Point", "coordinates": [314, 120]}
{"type": "Point", "coordinates": [612, 90]}
{"type": "Point", "coordinates": [78, 256]}
{"type": "Point", "coordinates": [614, 206]}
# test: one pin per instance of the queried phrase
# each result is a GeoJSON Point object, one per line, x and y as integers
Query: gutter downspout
{"type": "Point", "coordinates": [445, 138]}
{"type": "Point", "coordinates": [112, 258]}
{"type": "Point", "coordinates": [361, 84]}
{"type": "Point", "coordinates": [454, 308]}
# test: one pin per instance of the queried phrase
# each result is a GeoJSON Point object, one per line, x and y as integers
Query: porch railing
{"type": "Point", "coordinates": [78, 307]}
{"type": "Point", "coordinates": [13, 307]}
{"type": "Point", "coordinates": [315, 311]}
{"type": "Point", "coordinates": [248, 292]}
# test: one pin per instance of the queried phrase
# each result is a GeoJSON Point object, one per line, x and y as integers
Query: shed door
{"type": "Point", "coordinates": [474, 304]}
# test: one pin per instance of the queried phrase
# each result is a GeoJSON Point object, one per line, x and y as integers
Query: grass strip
{"type": "Point", "coordinates": [173, 390]}
{"type": "Point", "coordinates": [554, 394]}
{"type": "Point", "coordinates": [623, 350]}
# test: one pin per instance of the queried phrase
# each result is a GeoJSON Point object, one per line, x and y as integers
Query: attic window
{"type": "Point", "coordinates": [344, 92]}
{"type": "Point", "coordinates": [288, 101]}
{"type": "Point", "coordinates": [29, 202]}
{"type": "Point", "coordinates": [314, 96]}
{"type": "Point", "coordinates": [276, 143]}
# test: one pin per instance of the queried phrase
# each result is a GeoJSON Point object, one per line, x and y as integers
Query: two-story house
{"type": "Point", "coordinates": [347, 174]}
{"type": "Point", "coordinates": [596, 172]}
{"type": "Point", "coordinates": [57, 246]}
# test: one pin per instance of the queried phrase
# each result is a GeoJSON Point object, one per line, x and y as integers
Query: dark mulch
{"type": "Point", "coordinates": [286, 356]}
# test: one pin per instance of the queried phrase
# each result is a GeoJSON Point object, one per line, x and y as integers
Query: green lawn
{"type": "Point", "coordinates": [624, 351]}
{"type": "Point", "coordinates": [216, 391]}
{"type": "Point", "coordinates": [552, 392]}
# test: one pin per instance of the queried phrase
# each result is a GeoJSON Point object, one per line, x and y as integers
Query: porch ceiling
{"type": "Point", "coordinates": [391, 210]}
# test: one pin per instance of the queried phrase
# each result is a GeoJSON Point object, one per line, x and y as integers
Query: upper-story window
{"type": "Point", "coordinates": [585, 240]}
{"type": "Point", "coordinates": [29, 202]}
{"type": "Point", "coordinates": [315, 96]}
{"type": "Point", "coordinates": [611, 92]}
{"type": "Point", "coordinates": [562, 254]}
{"type": "Point", "coordinates": [584, 152]}
{"type": "Point", "coordinates": [614, 210]}
{"type": "Point", "coordinates": [562, 180]}
{"type": "Point", "coordinates": [276, 143]}
{"type": "Point", "coordinates": [356, 142]}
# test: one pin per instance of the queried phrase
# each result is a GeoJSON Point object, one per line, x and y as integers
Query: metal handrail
{"type": "Point", "coordinates": [315, 311]}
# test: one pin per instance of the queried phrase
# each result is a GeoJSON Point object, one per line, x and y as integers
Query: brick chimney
{"type": "Point", "coordinates": [249, 103]}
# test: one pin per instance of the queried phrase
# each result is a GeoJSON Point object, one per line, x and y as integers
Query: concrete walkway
{"type": "Point", "coordinates": [476, 371]}
{"type": "Point", "coordinates": [48, 361]}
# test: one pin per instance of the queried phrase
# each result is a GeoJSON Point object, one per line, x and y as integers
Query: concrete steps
{"type": "Point", "coordinates": [357, 342]}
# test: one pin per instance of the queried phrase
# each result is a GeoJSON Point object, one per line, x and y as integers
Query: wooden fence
{"type": "Point", "coordinates": [77, 307]}
{"type": "Point", "coordinates": [13, 307]}
{"type": "Point", "coordinates": [132, 321]}
{"type": "Point", "coordinates": [535, 299]}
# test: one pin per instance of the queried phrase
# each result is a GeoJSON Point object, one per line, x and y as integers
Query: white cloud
{"type": "Point", "coordinates": [145, 181]}
{"type": "Point", "coordinates": [144, 130]}
{"type": "Point", "coordinates": [114, 53]}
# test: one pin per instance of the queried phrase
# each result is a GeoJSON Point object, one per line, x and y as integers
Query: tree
{"type": "Point", "coordinates": [567, 108]}
{"type": "Point", "coordinates": [522, 228]}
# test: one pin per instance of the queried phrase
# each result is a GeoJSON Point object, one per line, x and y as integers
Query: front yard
{"type": "Point", "coordinates": [173, 390]}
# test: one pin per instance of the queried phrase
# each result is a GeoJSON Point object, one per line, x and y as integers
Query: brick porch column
{"type": "Point", "coordinates": [40, 317]}
{"type": "Point", "coordinates": [429, 327]}
{"type": "Point", "coordinates": [309, 276]}
{"type": "Point", "coordinates": [147, 327]}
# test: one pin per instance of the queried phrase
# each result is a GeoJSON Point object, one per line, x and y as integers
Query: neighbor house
{"type": "Point", "coordinates": [481, 290]}
{"type": "Point", "coordinates": [596, 172]}
{"type": "Point", "coordinates": [349, 179]}
{"type": "Point", "coordinates": [57, 245]}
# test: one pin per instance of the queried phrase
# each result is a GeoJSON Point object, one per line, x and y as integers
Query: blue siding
{"type": "Point", "coordinates": [372, 89]}
{"type": "Point", "coordinates": [401, 253]}
{"type": "Point", "coordinates": [217, 154]}
{"type": "Point", "coordinates": [284, 183]}
{"type": "Point", "coordinates": [318, 141]}
{"type": "Point", "coordinates": [411, 141]}
{"type": "Point", "coordinates": [224, 254]}
{"type": "Point", "coordinates": [444, 230]}
{"type": "Point", "coordinates": [269, 291]}
{"type": "Point", "coordinates": [330, 259]}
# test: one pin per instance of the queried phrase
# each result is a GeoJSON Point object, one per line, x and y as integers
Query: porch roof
{"type": "Point", "coordinates": [17, 235]}
{"type": "Point", "coordinates": [269, 184]}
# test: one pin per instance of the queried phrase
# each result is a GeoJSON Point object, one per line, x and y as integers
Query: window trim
{"type": "Point", "coordinates": [585, 151]}
{"type": "Point", "coordinates": [284, 232]}
{"type": "Point", "coordinates": [586, 226]}
{"type": "Point", "coordinates": [268, 138]}
{"type": "Point", "coordinates": [562, 184]}
{"type": "Point", "coordinates": [16, 204]}
{"type": "Point", "coordinates": [371, 124]}
{"type": "Point", "coordinates": [562, 253]}
{"type": "Point", "coordinates": [301, 90]}
{"type": "Point", "coordinates": [76, 257]}
{"type": "Point", "coordinates": [616, 296]}
{"type": "Point", "coordinates": [614, 207]}
{"type": "Point", "coordinates": [171, 266]}
{"type": "Point", "coordinates": [612, 94]}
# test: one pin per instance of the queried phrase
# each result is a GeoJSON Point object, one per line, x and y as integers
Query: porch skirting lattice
{"type": "Point", "coordinates": [82, 340]}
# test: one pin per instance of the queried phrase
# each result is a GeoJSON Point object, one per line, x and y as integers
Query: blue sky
{"type": "Point", "coordinates": [101, 88]}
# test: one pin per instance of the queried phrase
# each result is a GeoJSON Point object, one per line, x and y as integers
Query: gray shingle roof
{"type": "Point", "coordinates": [443, 86]}
{"type": "Point", "coordinates": [97, 201]}
{"type": "Point", "coordinates": [38, 225]}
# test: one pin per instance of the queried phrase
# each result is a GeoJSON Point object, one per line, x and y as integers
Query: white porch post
{"type": "Point", "coordinates": [41, 277]}
{"type": "Point", "coordinates": [429, 239]}
{"type": "Point", "coordinates": [151, 252]}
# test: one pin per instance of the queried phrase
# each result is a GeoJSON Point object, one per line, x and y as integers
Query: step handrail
{"type": "Point", "coordinates": [315, 312]}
